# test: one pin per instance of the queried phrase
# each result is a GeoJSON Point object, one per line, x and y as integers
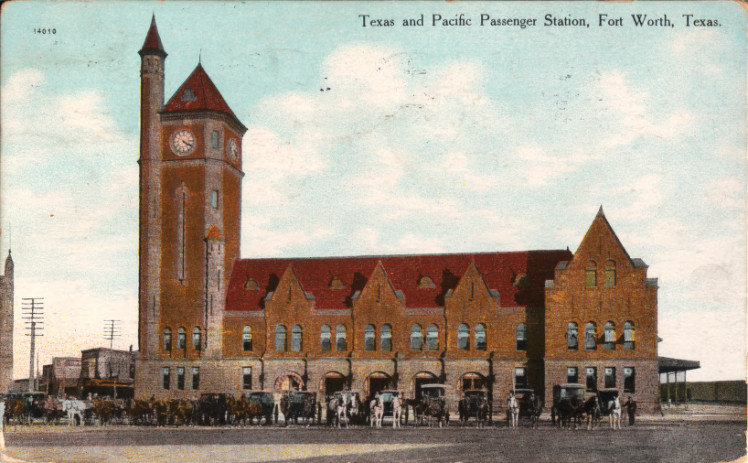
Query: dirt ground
{"type": "Point", "coordinates": [648, 441]}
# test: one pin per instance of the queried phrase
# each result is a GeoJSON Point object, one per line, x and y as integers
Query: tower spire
{"type": "Point", "coordinates": [152, 44]}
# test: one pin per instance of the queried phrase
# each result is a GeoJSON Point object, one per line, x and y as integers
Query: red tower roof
{"type": "Point", "coordinates": [198, 92]}
{"type": "Point", "coordinates": [152, 44]}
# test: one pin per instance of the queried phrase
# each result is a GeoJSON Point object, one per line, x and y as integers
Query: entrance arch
{"type": "Point", "coordinates": [472, 381]}
{"type": "Point", "coordinates": [424, 377]}
{"type": "Point", "coordinates": [288, 382]}
{"type": "Point", "coordinates": [332, 382]}
{"type": "Point", "coordinates": [377, 382]}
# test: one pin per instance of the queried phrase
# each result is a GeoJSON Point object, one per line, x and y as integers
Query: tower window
{"type": "Point", "coordinates": [463, 336]}
{"type": "Point", "coordinates": [480, 336]}
{"type": "Point", "coordinates": [521, 336]}
{"type": "Point", "coordinates": [180, 378]}
{"type": "Point", "coordinates": [280, 338]}
{"type": "Point", "coordinates": [296, 342]}
{"type": "Point", "coordinates": [214, 199]}
{"type": "Point", "coordinates": [324, 338]}
{"type": "Point", "coordinates": [188, 95]}
{"type": "Point", "coordinates": [166, 377]}
{"type": "Point", "coordinates": [416, 337]}
{"type": "Point", "coordinates": [572, 339]}
{"type": "Point", "coordinates": [590, 341]}
{"type": "Point", "coordinates": [340, 343]}
{"type": "Point", "coordinates": [609, 334]}
{"type": "Point", "coordinates": [369, 344]}
{"type": "Point", "coordinates": [432, 337]}
{"type": "Point", "coordinates": [386, 338]}
{"type": "Point", "coordinates": [167, 339]}
{"type": "Point", "coordinates": [628, 335]}
{"type": "Point", "coordinates": [246, 377]}
{"type": "Point", "coordinates": [214, 140]}
{"type": "Point", "coordinates": [195, 378]}
{"type": "Point", "coordinates": [181, 338]}
{"type": "Point", "coordinates": [591, 274]}
{"type": "Point", "coordinates": [610, 274]}
{"type": "Point", "coordinates": [196, 338]}
{"type": "Point", "coordinates": [247, 339]}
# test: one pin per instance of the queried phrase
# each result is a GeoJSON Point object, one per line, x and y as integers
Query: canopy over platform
{"type": "Point", "coordinates": [669, 365]}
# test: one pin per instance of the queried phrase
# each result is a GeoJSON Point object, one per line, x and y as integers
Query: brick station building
{"type": "Point", "coordinates": [213, 322]}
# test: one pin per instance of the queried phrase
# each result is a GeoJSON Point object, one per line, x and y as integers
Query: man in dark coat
{"type": "Point", "coordinates": [631, 408]}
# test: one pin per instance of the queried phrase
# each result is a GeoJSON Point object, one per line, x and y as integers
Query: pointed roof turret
{"type": "Point", "coordinates": [152, 44]}
{"type": "Point", "coordinates": [199, 92]}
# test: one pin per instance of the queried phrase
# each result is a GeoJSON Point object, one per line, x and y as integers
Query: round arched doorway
{"type": "Point", "coordinates": [424, 377]}
{"type": "Point", "coordinates": [377, 382]}
{"type": "Point", "coordinates": [333, 382]}
{"type": "Point", "coordinates": [472, 382]}
{"type": "Point", "coordinates": [288, 382]}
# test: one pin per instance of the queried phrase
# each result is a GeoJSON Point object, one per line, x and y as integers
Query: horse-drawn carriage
{"type": "Point", "coordinates": [24, 407]}
{"type": "Point", "coordinates": [568, 399]}
{"type": "Point", "coordinates": [529, 404]}
{"type": "Point", "coordinates": [474, 404]}
{"type": "Point", "coordinates": [433, 405]}
{"type": "Point", "coordinates": [297, 405]}
{"type": "Point", "coordinates": [266, 402]}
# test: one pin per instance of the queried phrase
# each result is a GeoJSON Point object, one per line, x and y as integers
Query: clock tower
{"type": "Point", "coordinates": [190, 193]}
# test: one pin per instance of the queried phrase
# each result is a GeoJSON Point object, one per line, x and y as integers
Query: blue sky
{"type": "Point", "coordinates": [430, 139]}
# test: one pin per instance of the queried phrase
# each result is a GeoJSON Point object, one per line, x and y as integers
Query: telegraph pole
{"type": "Point", "coordinates": [112, 330]}
{"type": "Point", "coordinates": [33, 314]}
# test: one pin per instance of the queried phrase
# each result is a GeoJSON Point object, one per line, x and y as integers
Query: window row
{"type": "Point", "coordinates": [417, 339]}
{"type": "Point", "coordinates": [180, 373]}
{"type": "Point", "coordinates": [629, 378]}
{"type": "Point", "coordinates": [182, 338]}
{"type": "Point", "coordinates": [591, 274]}
{"type": "Point", "coordinates": [608, 339]}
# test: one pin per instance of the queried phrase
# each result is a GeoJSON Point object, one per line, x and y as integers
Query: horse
{"type": "Point", "coordinates": [15, 408]}
{"type": "Point", "coordinates": [74, 408]}
{"type": "Point", "coordinates": [591, 409]}
{"type": "Point", "coordinates": [615, 413]}
{"type": "Point", "coordinates": [332, 407]}
{"type": "Point", "coordinates": [426, 409]}
{"type": "Point", "coordinates": [376, 412]}
{"type": "Point", "coordinates": [396, 412]}
{"type": "Point", "coordinates": [160, 409]}
{"type": "Point", "coordinates": [481, 412]}
{"type": "Point", "coordinates": [535, 409]}
{"type": "Point", "coordinates": [353, 409]}
{"type": "Point", "coordinates": [52, 410]}
{"type": "Point", "coordinates": [341, 410]}
{"type": "Point", "coordinates": [513, 410]}
{"type": "Point", "coordinates": [140, 412]}
{"type": "Point", "coordinates": [104, 409]}
{"type": "Point", "coordinates": [570, 411]}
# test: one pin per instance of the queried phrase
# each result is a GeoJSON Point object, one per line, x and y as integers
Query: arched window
{"type": "Point", "coordinates": [610, 274]}
{"type": "Point", "coordinates": [521, 336]}
{"type": "Point", "coordinates": [196, 338]}
{"type": "Point", "coordinates": [416, 337]}
{"type": "Point", "coordinates": [572, 340]}
{"type": "Point", "coordinates": [609, 333]}
{"type": "Point", "coordinates": [167, 339]}
{"type": "Point", "coordinates": [480, 336]}
{"type": "Point", "coordinates": [628, 335]}
{"type": "Point", "coordinates": [590, 336]}
{"type": "Point", "coordinates": [340, 343]}
{"type": "Point", "coordinates": [181, 338]}
{"type": "Point", "coordinates": [386, 338]}
{"type": "Point", "coordinates": [296, 343]}
{"type": "Point", "coordinates": [369, 341]}
{"type": "Point", "coordinates": [324, 338]}
{"type": "Point", "coordinates": [463, 336]}
{"type": "Point", "coordinates": [591, 273]}
{"type": "Point", "coordinates": [247, 338]}
{"type": "Point", "coordinates": [280, 338]}
{"type": "Point", "coordinates": [432, 337]}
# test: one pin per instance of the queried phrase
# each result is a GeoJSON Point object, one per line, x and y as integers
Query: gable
{"type": "Point", "coordinates": [599, 245]}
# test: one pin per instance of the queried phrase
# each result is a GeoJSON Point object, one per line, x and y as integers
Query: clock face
{"type": "Point", "coordinates": [233, 150]}
{"type": "Point", "coordinates": [182, 142]}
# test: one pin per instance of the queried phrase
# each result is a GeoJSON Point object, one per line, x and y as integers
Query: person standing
{"type": "Point", "coordinates": [631, 410]}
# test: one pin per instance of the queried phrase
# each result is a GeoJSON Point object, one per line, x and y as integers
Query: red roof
{"type": "Point", "coordinates": [198, 92]}
{"type": "Point", "coordinates": [499, 270]}
{"type": "Point", "coordinates": [153, 40]}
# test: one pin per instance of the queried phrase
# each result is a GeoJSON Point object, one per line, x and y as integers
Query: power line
{"type": "Point", "coordinates": [33, 314]}
{"type": "Point", "coordinates": [112, 329]}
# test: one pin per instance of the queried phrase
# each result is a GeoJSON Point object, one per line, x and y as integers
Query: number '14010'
{"type": "Point", "coordinates": [45, 31]}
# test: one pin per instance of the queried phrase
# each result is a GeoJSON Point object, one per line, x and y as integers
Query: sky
{"type": "Point", "coordinates": [430, 139]}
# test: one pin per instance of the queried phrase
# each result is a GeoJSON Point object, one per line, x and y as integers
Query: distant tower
{"type": "Point", "coordinates": [190, 208]}
{"type": "Point", "coordinates": [6, 326]}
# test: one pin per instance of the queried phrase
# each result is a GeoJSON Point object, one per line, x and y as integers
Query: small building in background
{"type": "Point", "coordinates": [107, 372]}
{"type": "Point", "coordinates": [60, 378]}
